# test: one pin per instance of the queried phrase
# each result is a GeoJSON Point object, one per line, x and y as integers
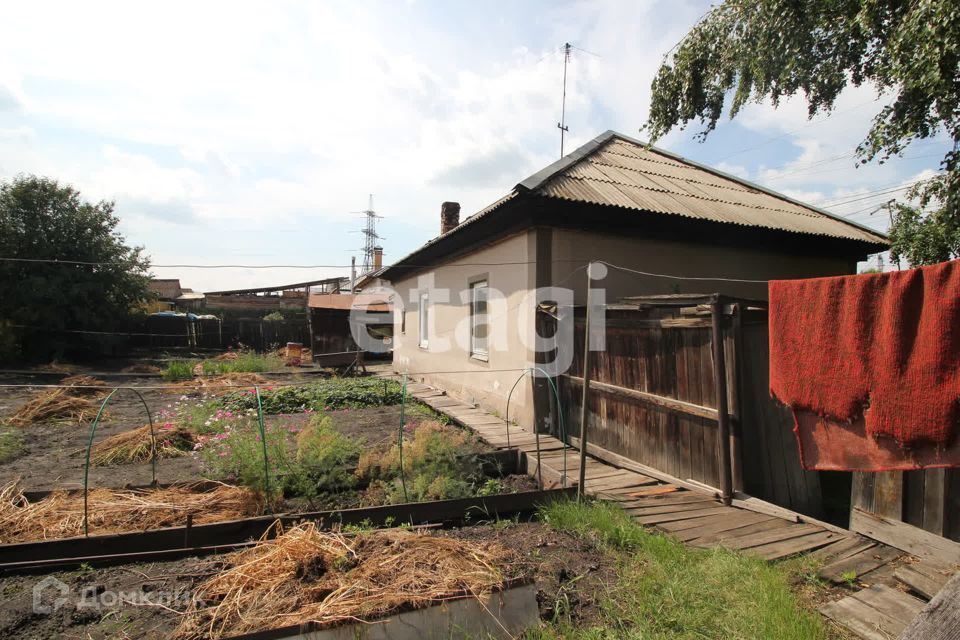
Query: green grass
{"type": "Point", "coordinates": [666, 590]}
{"type": "Point", "coordinates": [11, 445]}
{"type": "Point", "coordinates": [246, 362]}
{"type": "Point", "coordinates": [178, 370]}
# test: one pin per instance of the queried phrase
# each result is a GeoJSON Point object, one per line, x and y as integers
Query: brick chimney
{"type": "Point", "coordinates": [377, 258]}
{"type": "Point", "coordinates": [449, 216]}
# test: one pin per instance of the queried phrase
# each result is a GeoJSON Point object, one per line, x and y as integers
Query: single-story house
{"type": "Point", "coordinates": [614, 199]}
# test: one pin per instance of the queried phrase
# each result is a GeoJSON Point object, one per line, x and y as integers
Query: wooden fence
{"type": "Point", "coordinates": [653, 398]}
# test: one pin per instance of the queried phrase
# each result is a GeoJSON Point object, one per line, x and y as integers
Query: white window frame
{"type": "Point", "coordinates": [424, 315]}
{"type": "Point", "coordinates": [477, 352]}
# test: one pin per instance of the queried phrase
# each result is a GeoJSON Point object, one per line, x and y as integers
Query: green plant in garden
{"type": "Point", "coordinates": [310, 462]}
{"type": "Point", "coordinates": [325, 459]}
{"type": "Point", "coordinates": [11, 445]}
{"type": "Point", "coordinates": [439, 462]}
{"type": "Point", "coordinates": [237, 456]}
{"type": "Point", "coordinates": [245, 362]}
{"type": "Point", "coordinates": [205, 417]}
{"type": "Point", "coordinates": [324, 395]}
{"type": "Point", "coordinates": [178, 370]}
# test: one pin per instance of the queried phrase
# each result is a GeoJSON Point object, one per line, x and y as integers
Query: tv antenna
{"type": "Point", "coordinates": [562, 125]}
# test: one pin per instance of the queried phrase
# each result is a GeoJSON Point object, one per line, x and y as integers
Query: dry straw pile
{"type": "Point", "coordinates": [60, 515]}
{"type": "Point", "coordinates": [217, 384]}
{"type": "Point", "coordinates": [307, 575]}
{"type": "Point", "coordinates": [55, 404]}
{"type": "Point", "coordinates": [84, 385]}
{"type": "Point", "coordinates": [136, 445]}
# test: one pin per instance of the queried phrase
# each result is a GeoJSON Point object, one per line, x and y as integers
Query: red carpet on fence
{"type": "Point", "coordinates": [870, 366]}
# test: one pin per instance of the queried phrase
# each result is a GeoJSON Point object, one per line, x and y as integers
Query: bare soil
{"type": "Point", "coordinates": [54, 453]}
{"type": "Point", "coordinates": [143, 600]}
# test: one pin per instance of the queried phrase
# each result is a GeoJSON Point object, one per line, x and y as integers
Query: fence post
{"type": "Point", "coordinates": [584, 410]}
{"type": "Point", "coordinates": [723, 414]}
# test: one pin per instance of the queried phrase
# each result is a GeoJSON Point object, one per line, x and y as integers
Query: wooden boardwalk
{"type": "Point", "coordinates": [898, 588]}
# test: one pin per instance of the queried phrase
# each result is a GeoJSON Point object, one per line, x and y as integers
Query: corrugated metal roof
{"type": "Point", "coordinates": [345, 301]}
{"type": "Point", "coordinates": [618, 171]}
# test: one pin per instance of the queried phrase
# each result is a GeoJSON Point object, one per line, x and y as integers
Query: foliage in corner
{"type": "Point", "coordinates": [43, 219]}
{"type": "Point", "coordinates": [754, 50]}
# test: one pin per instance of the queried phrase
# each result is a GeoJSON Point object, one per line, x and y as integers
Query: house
{"type": "Point", "coordinates": [466, 300]}
{"type": "Point", "coordinates": [165, 292]}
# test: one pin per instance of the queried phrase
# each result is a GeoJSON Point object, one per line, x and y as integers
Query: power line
{"type": "Point", "coordinates": [245, 266]}
{"type": "Point", "coordinates": [868, 195]}
{"type": "Point", "coordinates": [674, 277]}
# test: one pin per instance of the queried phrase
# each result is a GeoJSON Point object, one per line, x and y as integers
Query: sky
{"type": "Point", "coordinates": [254, 133]}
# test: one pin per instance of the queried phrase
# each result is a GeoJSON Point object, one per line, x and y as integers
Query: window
{"type": "Point", "coordinates": [424, 320]}
{"type": "Point", "coordinates": [478, 320]}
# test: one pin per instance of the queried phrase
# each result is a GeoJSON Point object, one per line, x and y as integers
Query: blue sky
{"type": "Point", "coordinates": [248, 132]}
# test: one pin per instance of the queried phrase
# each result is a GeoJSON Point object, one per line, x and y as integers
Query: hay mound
{"type": "Point", "coordinates": [226, 356]}
{"type": "Point", "coordinates": [217, 384]}
{"type": "Point", "coordinates": [135, 445]}
{"type": "Point", "coordinates": [81, 385]}
{"type": "Point", "coordinates": [56, 404]}
{"type": "Point", "coordinates": [60, 514]}
{"type": "Point", "coordinates": [141, 368]}
{"type": "Point", "coordinates": [306, 575]}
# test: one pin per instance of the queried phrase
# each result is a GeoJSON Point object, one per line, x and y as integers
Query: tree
{"type": "Point", "coordinates": [43, 302]}
{"type": "Point", "coordinates": [755, 50]}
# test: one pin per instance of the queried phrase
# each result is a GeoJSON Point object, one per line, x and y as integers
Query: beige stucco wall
{"type": "Point", "coordinates": [446, 362]}
{"type": "Point", "coordinates": [447, 352]}
{"type": "Point", "coordinates": [573, 249]}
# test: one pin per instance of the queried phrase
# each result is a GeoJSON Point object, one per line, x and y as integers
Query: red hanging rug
{"type": "Point", "coordinates": [870, 366]}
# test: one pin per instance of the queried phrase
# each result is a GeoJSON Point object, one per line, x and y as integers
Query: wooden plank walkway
{"type": "Point", "coordinates": [896, 593]}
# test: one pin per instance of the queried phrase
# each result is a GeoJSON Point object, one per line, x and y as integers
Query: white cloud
{"type": "Point", "coordinates": [273, 116]}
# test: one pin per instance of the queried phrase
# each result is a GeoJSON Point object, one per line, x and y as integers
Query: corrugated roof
{"type": "Point", "coordinates": [618, 171]}
{"type": "Point", "coordinates": [345, 302]}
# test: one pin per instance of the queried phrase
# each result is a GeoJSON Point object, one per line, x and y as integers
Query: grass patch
{"type": "Point", "coordinates": [666, 590]}
{"type": "Point", "coordinates": [244, 362]}
{"type": "Point", "coordinates": [11, 445]}
{"type": "Point", "coordinates": [178, 370]}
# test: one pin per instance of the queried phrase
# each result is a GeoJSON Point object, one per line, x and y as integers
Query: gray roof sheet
{"type": "Point", "coordinates": [618, 171]}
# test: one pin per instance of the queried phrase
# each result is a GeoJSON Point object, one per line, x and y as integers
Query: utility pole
{"type": "Point", "coordinates": [562, 125]}
{"type": "Point", "coordinates": [353, 273]}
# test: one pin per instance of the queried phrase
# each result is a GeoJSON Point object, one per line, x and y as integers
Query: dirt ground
{"type": "Point", "coordinates": [142, 600]}
{"type": "Point", "coordinates": [54, 453]}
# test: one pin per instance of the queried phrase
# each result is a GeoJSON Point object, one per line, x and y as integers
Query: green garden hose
{"type": "Point", "coordinates": [86, 467]}
{"type": "Point", "coordinates": [263, 444]}
{"type": "Point", "coordinates": [536, 432]}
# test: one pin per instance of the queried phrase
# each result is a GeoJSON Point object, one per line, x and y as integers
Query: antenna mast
{"type": "Point", "coordinates": [562, 125]}
{"type": "Point", "coordinates": [370, 237]}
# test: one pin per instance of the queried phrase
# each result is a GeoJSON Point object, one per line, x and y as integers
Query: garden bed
{"type": "Point", "coordinates": [155, 594]}
{"type": "Point", "coordinates": [333, 444]}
